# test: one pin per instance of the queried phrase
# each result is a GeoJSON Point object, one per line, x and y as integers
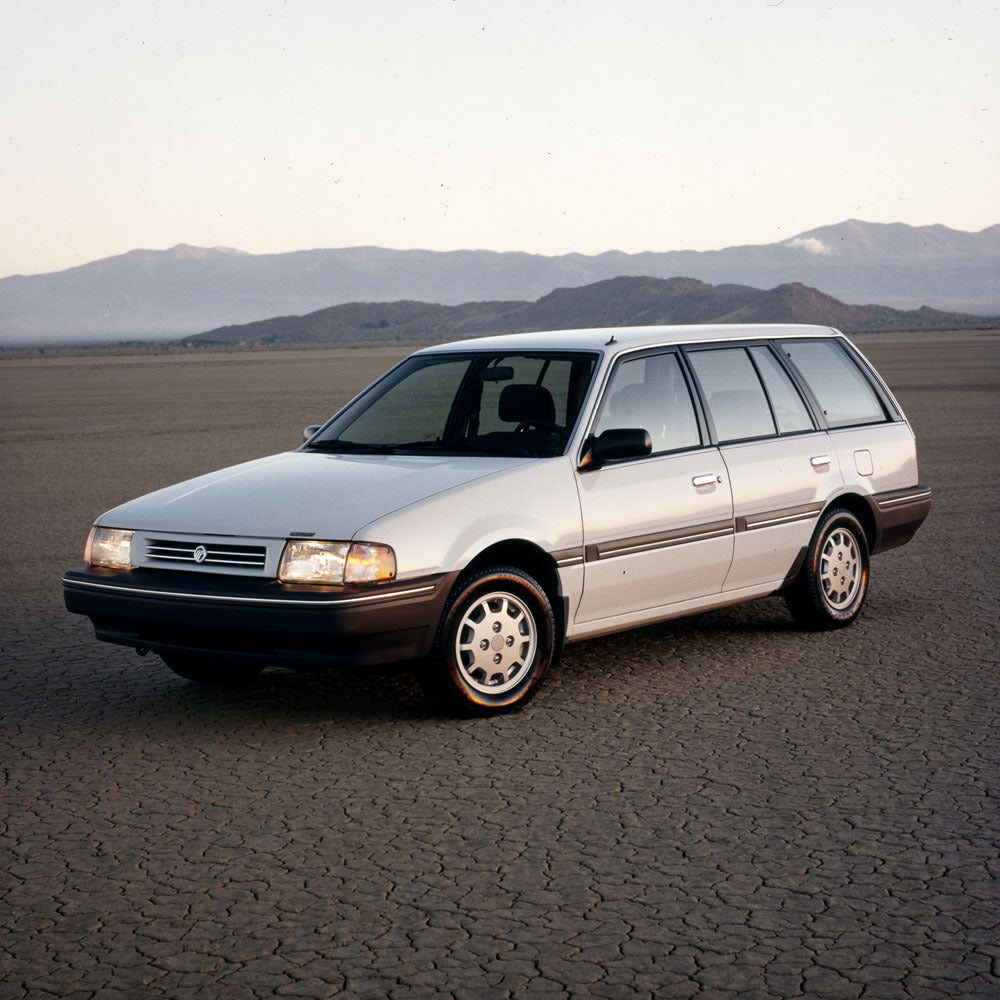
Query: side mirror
{"type": "Point", "coordinates": [614, 445]}
{"type": "Point", "coordinates": [310, 430]}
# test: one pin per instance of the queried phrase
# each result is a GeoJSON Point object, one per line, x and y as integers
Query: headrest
{"type": "Point", "coordinates": [521, 403]}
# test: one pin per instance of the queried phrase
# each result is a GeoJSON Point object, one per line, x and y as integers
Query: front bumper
{"type": "Point", "coordinates": [260, 620]}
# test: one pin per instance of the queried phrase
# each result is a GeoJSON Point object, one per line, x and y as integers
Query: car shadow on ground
{"type": "Point", "coordinates": [118, 688]}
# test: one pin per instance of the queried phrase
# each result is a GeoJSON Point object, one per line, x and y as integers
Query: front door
{"type": "Point", "coordinates": [658, 530]}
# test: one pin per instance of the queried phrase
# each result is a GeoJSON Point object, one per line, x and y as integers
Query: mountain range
{"type": "Point", "coordinates": [147, 294]}
{"type": "Point", "coordinates": [623, 301]}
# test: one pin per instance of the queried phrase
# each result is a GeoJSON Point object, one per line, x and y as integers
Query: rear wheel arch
{"type": "Point", "coordinates": [861, 508]}
{"type": "Point", "coordinates": [832, 583]}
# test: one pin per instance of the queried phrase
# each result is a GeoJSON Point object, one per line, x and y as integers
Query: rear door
{"type": "Point", "coordinates": [781, 466]}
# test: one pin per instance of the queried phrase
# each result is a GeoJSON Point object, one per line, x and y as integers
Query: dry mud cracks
{"type": "Point", "coordinates": [722, 807]}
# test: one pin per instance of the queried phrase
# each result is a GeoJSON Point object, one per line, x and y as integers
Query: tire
{"type": "Point", "coordinates": [495, 641]}
{"type": "Point", "coordinates": [833, 582]}
{"type": "Point", "coordinates": [207, 670]}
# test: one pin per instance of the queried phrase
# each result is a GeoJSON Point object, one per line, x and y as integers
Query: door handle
{"type": "Point", "coordinates": [706, 480]}
{"type": "Point", "coordinates": [819, 461]}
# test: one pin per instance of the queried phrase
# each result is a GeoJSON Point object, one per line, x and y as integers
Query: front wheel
{"type": "Point", "coordinates": [208, 670]}
{"type": "Point", "coordinates": [833, 582]}
{"type": "Point", "coordinates": [495, 642]}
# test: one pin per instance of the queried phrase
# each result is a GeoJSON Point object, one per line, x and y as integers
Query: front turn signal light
{"type": "Point", "coordinates": [370, 563]}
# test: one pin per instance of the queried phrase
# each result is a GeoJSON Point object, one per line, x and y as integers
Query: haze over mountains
{"type": "Point", "coordinates": [147, 294]}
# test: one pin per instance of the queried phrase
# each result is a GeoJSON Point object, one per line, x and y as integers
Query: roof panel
{"type": "Point", "coordinates": [622, 338]}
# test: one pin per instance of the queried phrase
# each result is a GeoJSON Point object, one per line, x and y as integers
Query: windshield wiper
{"type": "Point", "coordinates": [339, 444]}
{"type": "Point", "coordinates": [470, 447]}
{"type": "Point", "coordinates": [437, 445]}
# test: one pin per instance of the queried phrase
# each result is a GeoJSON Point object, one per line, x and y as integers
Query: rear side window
{"type": "Point", "coordinates": [845, 396]}
{"type": "Point", "coordinates": [790, 411]}
{"type": "Point", "coordinates": [734, 393]}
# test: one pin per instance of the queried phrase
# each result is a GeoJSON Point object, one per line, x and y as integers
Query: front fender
{"type": "Point", "coordinates": [534, 502]}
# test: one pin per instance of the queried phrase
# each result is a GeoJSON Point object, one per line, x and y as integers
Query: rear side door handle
{"type": "Point", "coordinates": [819, 461]}
{"type": "Point", "coordinates": [710, 480]}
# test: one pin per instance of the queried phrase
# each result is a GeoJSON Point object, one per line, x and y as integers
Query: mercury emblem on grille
{"type": "Point", "coordinates": [200, 553]}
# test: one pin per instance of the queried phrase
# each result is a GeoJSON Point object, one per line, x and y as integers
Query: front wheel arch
{"type": "Point", "coordinates": [533, 560]}
{"type": "Point", "coordinates": [495, 641]}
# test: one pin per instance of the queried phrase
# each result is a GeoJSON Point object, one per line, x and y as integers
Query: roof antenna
{"type": "Point", "coordinates": [611, 341]}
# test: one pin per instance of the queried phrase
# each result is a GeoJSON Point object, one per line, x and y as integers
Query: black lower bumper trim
{"type": "Point", "coordinates": [898, 515]}
{"type": "Point", "coordinates": [221, 616]}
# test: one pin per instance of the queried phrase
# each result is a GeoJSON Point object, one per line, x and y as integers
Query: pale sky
{"type": "Point", "coordinates": [533, 125]}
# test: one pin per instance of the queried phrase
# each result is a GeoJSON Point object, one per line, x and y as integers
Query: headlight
{"type": "Point", "coordinates": [336, 562]}
{"type": "Point", "coordinates": [109, 547]}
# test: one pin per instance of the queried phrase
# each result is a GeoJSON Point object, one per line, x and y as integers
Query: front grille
{"type": "Point", "coordinates": [206, 553]}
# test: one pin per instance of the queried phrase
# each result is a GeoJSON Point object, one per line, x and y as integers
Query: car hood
{"type": "Point", "coordinates": [329, 496]}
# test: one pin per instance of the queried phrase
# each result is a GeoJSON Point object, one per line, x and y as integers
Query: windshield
{"type": "Point", "coordinates": [469, 403]}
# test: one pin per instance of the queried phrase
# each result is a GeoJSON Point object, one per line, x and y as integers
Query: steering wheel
{"type": "Point", "coordinates": [543, 425]}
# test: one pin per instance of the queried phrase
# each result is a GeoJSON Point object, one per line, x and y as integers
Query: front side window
{"type": "Point", "coordinates": [842, 391]}
{"type": "Point", "coordinates": [467, 403]}
{"type": "Point", "coordinates": [651, 392]}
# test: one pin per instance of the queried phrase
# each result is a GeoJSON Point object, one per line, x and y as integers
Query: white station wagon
{"type": "Point", "coordinates": [486, 501]}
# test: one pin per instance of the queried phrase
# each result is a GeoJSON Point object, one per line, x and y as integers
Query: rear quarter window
{"type": "Point", "coordinates": [790, 412]}
{"type": "Point", "coordinates": [842, 390]}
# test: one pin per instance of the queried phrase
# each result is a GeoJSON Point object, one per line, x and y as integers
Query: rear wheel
{"type": "Point", "coordinates": [495, 642]}
{"type": "Point", "coordinates": [833, 582]}
{"type": "Point", "coordinates": [208, 670]}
